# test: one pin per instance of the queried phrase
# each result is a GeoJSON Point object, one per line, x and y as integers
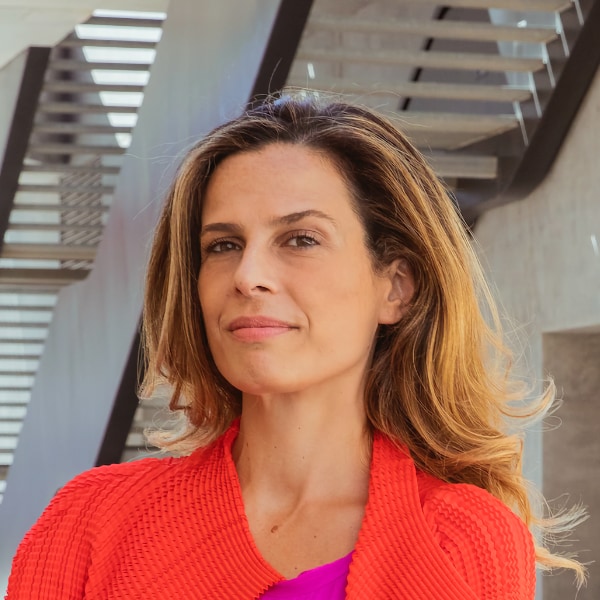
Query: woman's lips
{"type": "Point", "coordinates": [255, 329]}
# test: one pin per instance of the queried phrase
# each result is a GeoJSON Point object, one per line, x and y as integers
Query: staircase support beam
{"type": "Point", "coordinates": [20, 131]}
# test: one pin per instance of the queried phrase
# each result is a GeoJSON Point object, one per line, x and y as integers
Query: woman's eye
{"type": "Point", "coordinates": [302, 241]}
{"type": "Point", "coordinates": [219, 246]}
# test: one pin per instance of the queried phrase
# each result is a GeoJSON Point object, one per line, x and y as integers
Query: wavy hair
{"type": "Point", "coordinates": [439, 381]}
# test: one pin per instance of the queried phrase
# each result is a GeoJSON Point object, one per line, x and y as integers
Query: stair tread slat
{"type": "Point", "coordinates": [79, 87]}
{"type": "Point", "coordinates": [64, 188]}
{"type": "Point", "coordinates": [517, 5]}
{"type": "Point", "coordinates": [81, 65]}
{"type": "Point", "coordinates": [80, 128]}
{"type": "Point", "coordinates": [451, 91]}
{"type": "Point", "coordinates": [437, 29]}
{"type": "Point", "coordinates": [124, 22]}
{"type": "Point", "coordinates": [72, 107]}
{"type": "Point", "coordinates": [74, 149]}
{"type": "Point", "coordinates": [76, 42]}
{"type": "Point", "coordinates": [66, 168]}
{"type": "Point", "coordinates": [434, 60]}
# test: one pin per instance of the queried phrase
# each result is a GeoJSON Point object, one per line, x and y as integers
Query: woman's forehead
{"type": "Point", "coordinates": [277, 185]}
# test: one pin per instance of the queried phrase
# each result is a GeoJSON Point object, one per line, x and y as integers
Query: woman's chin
{"type": "Point", "coordinates": [263, 386]}
{"type": "Point", "coordinates": [259, 378]}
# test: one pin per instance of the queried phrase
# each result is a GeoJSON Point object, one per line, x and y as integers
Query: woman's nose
{"type": "Point", "coordinates": [255, 272]}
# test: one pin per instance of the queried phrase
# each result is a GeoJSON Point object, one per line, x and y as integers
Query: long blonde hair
{"type": "Point", "coordinates": [439, 380]}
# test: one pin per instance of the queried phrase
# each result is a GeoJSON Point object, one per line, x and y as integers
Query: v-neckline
{"type": "Point", "coordinates": [394, 532]}
{"type": "Point", "coordinates": [236, 489]}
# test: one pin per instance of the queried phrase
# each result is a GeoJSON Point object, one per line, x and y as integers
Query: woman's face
{"type": "Point", "coordinates": [289, 295]}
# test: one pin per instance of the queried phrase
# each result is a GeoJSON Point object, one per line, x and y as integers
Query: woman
{"type": "Point", "coordinates": [313, 303]}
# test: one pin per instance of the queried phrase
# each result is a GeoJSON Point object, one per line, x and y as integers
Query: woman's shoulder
{"type": "Point", "coordinates": [128, 480]}
{"type": "Point", "coordinates": [86, 500]}
{"type": "Point", "coordinates": [93, 511]}
{"type": "Point", "coordinates": [446, 503]}
{"type": "Point", "coordinates": [485, 540]}
{"type": "Point", "coordinates": [89, 497]}
{"type": "Point", "coordinates": [117, 478]}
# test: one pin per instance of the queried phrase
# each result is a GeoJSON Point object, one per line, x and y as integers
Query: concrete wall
{"type": "Point", "coordinates": [204, 73]}
{"type": "Point", "coordinates": [543, 255]}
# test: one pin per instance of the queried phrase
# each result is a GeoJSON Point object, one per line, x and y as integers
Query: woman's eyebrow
{"type": "Point", "coordinates": [233, 228]}
{"type": "Point", "coordinates": [297, 216]}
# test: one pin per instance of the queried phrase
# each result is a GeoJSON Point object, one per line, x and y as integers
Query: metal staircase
{"type": "Point", "coordinates": [468, 82]}
{"type": "Point", "coordinates": [87, 108]}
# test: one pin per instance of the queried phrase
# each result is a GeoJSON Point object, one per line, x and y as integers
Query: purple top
{"type": "Point", "coordinates": [327, 582]}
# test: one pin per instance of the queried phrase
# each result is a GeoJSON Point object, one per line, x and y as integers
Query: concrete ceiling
{"type": "Point", "coordinates": [25, 23]}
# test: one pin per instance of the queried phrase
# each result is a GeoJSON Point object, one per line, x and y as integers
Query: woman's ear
{"type": "Point", "coordinates": [399, 293]}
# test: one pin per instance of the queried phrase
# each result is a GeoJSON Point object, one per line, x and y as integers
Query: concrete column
{"type": "Point", "coordinates": [542, 255]}
{"type": "Point", "coordinates": [572, 450]}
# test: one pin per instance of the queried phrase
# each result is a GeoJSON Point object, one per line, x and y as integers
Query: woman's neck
{"type": "Point", "coordinates": [303, 467]}
{"type": "Point", "coordinates": [302, 448]}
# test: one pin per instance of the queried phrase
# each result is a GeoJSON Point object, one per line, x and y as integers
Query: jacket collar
{"type": "Point", "coordinates": [396, 551]}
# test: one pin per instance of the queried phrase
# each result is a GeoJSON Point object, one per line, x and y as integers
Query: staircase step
{"type": "Point", "coordinates": [47, 252]}
{"type": "Point", "coordinates": [73, 108]}
{"type": "Point", "coordinates": [10, 428]}
{"type": "Point", "coordinates": [52, 227]}
{"type": "Point", "coordinates": [417, 89]}
{"type": "Point", "coordinates": [124, 22]}
{"type": "Point", "coordinates": [11, 413]}
{"type": "Point", "coordinates": [517, 5]}
{"type": "Point", "coordinates": [433, 60]}
{"type": "Point", "coordinates": [454, 122]}
{"type": "Point", "coordinates": [8, 442]}
{"type": "Point", "coordinates": [26, 308]}
{"type": "Point", "coordinates": [41, 277]}
{"type": "Point", "coordinates": [101, 43]}
{"type": "Point", "coordinates": [75, 149]}
{"type": "Point", "coordinates": [68, 168]}
{"type": "Point", "coordinates": [82, 65]}
{"type": "Point", "coordinates": [80, 87]}
{"type": "Point", "coordinates": [130, 454]}
{"type": "Point", "coordinates": [80, 129]}
{"type": "Point", "coordinates": [23, 325]}
{"type": "Point", "coordinates": [22, 341]}
{"type": "Point", "coordinates": [6, 458]}
{"type": "Point", "coordinates": [17, 373]}
{"type": "Point", "coordinates": [437, 29]}
{"type": "Point", "coordinates": [451, 131]}
{"type": "Point", "coordinates": [17, 357]}
{"type": "Point", "coordinates": [66, 189]}
{"type": "Point", "coordinates": [135, 440]}
{"type": "Point", "coordinates": [464, 166]}
{"type": "Point", "coordinates": [60, 207]}
{"type": "Point", "coordinates": [26, 287]}
{"type": "Point", "coordinates": [31, 357]}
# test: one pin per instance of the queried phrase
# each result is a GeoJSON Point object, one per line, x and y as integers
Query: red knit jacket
{"type": "Point", "coordinates": [175, 528]}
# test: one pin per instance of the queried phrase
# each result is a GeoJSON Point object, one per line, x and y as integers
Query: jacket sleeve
{"type": "Point", "coordinates": [490, 547]}
{"type": "Point", "coordinates": [51, 562]}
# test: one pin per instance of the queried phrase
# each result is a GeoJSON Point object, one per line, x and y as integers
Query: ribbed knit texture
{"type": "Point", "coordinates": [176, 529]}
